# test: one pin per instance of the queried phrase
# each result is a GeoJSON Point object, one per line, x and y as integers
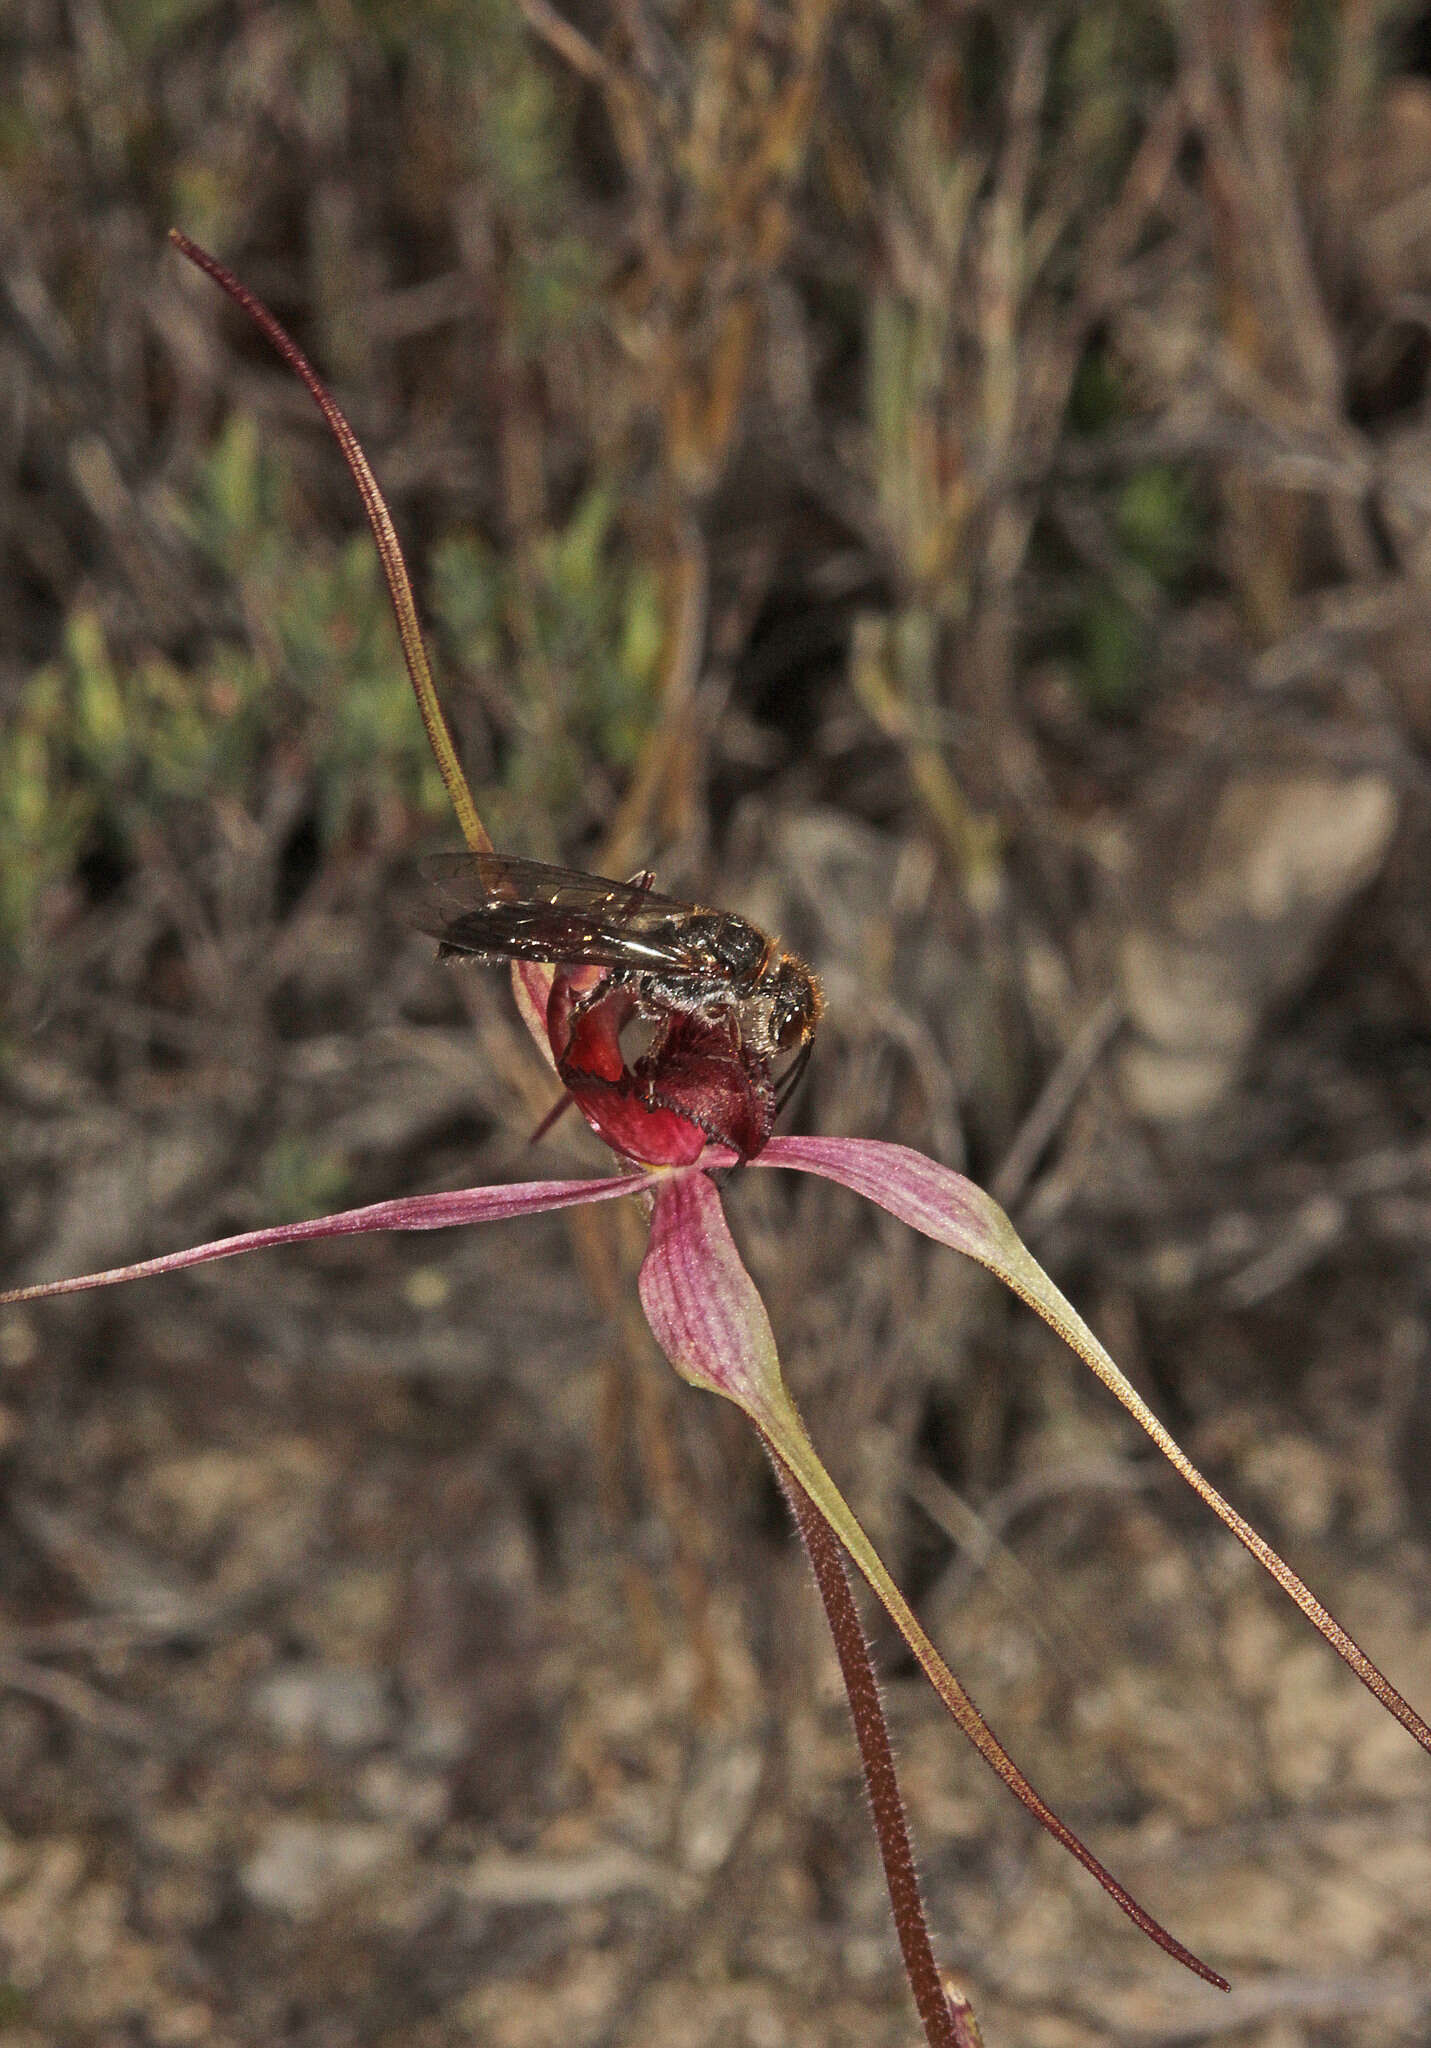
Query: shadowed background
{"type": "Point", "coordinates": [950, 482]}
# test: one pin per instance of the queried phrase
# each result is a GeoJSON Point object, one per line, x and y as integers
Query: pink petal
{"type": "Point", "coordinates": [711, 1323]}
{"type": "Point", "coordinates": [950, 1209]}
{"type": "Point", "coordinates": [703, 1306]}
{"type": "Point", "coordinates": [409, 1212]}
{"type": "Point", "coordinates": [927, 1196]}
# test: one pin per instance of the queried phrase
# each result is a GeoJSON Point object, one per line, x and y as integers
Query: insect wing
{"type": "Point", "coordinates": [500, 906]}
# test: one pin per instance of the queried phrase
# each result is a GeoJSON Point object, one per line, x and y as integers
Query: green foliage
{"type": "Point", "coordinates": [1159, 523]}
{"type": "Point", "coordinates": [146, 26]}
{"type": "Point", "coordinates": [1158, 526]}
{"type": "Point", "coordinates": [1315, 31]}
{"type": "Point", "coordinates": [1106, 61]}
{"type": "Point", "coordinates": [1098, 398]}
{"type": "Point", "coordinates": [296, 1181]}
{"type": "Point", "coordinates": [321, 674]}
{"type": "Point", "coordinates": [506, 122]}
{"type": "Point", "coordinates": [99, 749]}
{"type": "Point", "coordinates": [42, 819]}
{"type": "Point", "coordinates": [1112, 645]}
{"type": "Point", "coordinates": [574, 629]}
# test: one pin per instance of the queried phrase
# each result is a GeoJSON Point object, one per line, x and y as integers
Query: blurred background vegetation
{"type": "Point", "coordinates": [951, 481]}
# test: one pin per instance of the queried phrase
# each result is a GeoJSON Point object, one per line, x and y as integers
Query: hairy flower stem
{"type": "Point", "coordinates": [941, 2029]}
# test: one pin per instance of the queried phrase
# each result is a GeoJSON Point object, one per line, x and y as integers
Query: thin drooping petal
{"type": "Point", "coordinates": [384, 536]}
{"type": "Point", "coordinates": [408, 1212]}
{"type": "Point", "coordinates": [710, 1321]}
{"type": "Point", "coordinates": [947, 1207]}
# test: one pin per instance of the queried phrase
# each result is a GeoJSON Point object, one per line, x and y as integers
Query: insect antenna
{"type": "Point", "coordinates": [790, 1080]}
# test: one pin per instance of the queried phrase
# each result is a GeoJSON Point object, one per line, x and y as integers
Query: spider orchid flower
{"type": "Point", "coordinates": [696, 1104]}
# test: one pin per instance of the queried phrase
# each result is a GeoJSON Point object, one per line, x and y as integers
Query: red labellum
{"type": "Point", "coordinates": [696, 1083]}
